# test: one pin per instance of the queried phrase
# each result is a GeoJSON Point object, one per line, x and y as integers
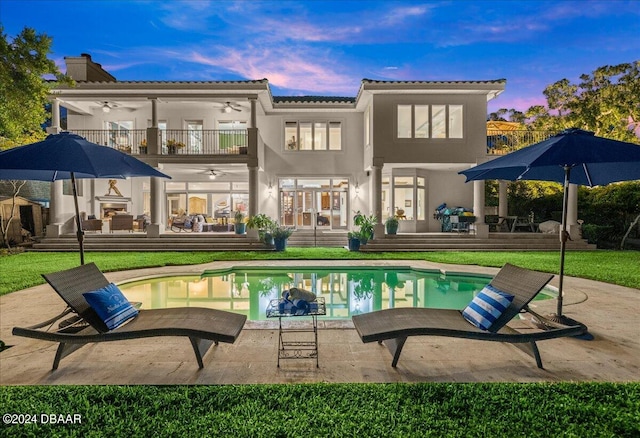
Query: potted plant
{"type": "Point", "coordinates": [143, 146]}
{"type": "Point", "coordinates": [238, 219]}
{"type": "Point", "coordinates": [391, 225]}
{"type": "Point", "coordinates": [280, 236]}
{"type": "Point", "coordinates": [173, 145]}
{"type": "Point", "coordinates": [263, 226]}
{"type": "Point", "coordinates": [366, 224]}
{"type": "Point", "coordinates": [354, 240]}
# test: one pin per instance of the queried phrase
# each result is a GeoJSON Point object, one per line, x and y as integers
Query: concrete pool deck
{"type": "Point", "coordinates": [609, 312]}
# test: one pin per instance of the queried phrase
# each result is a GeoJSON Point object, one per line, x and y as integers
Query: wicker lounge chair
{"type": "Point", "coordinates": [393, 326]}
{"type": "Point", "coordinates": [203, 327]}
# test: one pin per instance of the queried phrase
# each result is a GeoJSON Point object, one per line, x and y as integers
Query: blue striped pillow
{"type": "Point", "coordinates": [486, 307]}
{"type": "Point", "coordinates": [110, 305]}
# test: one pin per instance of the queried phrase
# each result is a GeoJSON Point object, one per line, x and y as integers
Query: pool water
{"type": "Point", "coordinates": [347, 291]}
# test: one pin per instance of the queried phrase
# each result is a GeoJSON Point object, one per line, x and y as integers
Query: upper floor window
{"type": "Point", "coordinates": [313, 136]}
{"type": "Point", "coordinates": [430, 121]}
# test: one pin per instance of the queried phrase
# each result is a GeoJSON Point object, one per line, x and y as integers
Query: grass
{"type": "Point", "coordinates": [618, 267]}
{"type": "Point", "coordinates": [333, 410]}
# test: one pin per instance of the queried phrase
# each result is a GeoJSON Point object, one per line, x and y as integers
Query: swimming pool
{"type": "Point", "coordinates": [348, 291]}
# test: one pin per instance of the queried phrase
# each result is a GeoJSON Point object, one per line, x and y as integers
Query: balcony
{"type": "Point", "coordinates": [173, 141]}
{"type": "Point", "coordinates": [502, 142]}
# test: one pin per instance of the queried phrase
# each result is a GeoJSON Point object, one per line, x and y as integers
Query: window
{"type": "Point", "coordinates": [335, 136]}
{"type": "Point", "coordinates": [291, 136]}
{"type": "Point", "coordinates": [403, 196]}
{"type": "Point", "coordinates": [455, 121]}
{"type": "Point", "coordinates": [430, 121]}
{"type": "Point", "coordinates": [306, 137]}
{"type": "Point", "coordinates": [320, 136]}
{"type": "Point", "coordinates": [404, 121]}
{"type": "Point", "coordinates": [422, 121]}
{"type": "Point", "coordinates": [312, 136]}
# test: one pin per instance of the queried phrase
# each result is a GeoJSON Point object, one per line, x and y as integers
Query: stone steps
{"type": "Point", "coordinates": [305, 238]}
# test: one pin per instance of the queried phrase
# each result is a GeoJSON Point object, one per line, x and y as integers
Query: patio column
{"type": "Point", "coordinates": [154, 112]}
{"type": "Point", "coordinates": [55, 118]}
{"type": "Point", "coordinates": [56, 210]}
{"type": "Point", "coordinates": [482, 229]}
{"type": "Point", "coordinates": [572, 212]}
{"type": "Point", "coordinates": [253, 190]}
{"type": "Point", "coordinates": [252, 120]}
{"type": "Point", "coordinates": [503, 204]}
{"type": "Point", "coordinates": [376, 196]}
{"type": "Point", "coordinates": [154, 145]}
{"type": "Point", "coordinates": [157, 200]}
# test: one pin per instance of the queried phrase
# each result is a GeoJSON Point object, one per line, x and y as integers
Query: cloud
{"type": "Point", "coordinates": [397, 16]}
{"type": "Point", "coordinates": [287, 68]}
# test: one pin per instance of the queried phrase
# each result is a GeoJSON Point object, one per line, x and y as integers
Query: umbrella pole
{"type": "Point", "coordinates": [564, 236]}
{"type": "Point", "coordinates": [563, 239]}
{"type": "Point", "coordinates": [79, 231]}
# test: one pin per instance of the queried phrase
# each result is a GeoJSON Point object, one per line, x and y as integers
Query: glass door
{"type": "Point", "coordinates": [323, 208]}
{"type": "Point", "coordinates": [305, 209]}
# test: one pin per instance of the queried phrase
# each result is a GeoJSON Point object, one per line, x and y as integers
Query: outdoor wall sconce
{"type": "Point", "coordinates": [357, 188]}
{"type": "Point", "coordinates": [270, 190]}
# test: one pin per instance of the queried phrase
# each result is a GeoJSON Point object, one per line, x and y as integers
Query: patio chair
{"type": "Point", "coordinates": [203, 327]}
{"type": "Point", "coordinates": [392, 327]}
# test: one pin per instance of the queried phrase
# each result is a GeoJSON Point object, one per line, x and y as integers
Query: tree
{"type": "Point", "coordinates": [5, 220]}
{"type": "Point", "coordinates": [606, 102]}
{"type": "Point", "coordinates": [24, 91]}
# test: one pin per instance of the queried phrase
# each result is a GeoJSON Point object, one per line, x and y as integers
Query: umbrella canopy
{"type": "Point", "coordinates": [59, 155]}
{"type": "Point", "coordinates": [69, 156]}
{"type": "Point", "coordinates": [593, 161]}
{"type": "Point", "coordinates": [572, 157]}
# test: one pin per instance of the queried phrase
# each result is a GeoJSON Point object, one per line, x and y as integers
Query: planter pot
{"type": "Point", "coordinates": [240, 228]}
{"type": "Point", "coordinates": [143, 150]}
{"type": "Point", "coordinates": [392, 228]}
{"type": "Point", "coordinates": [354, 244]}
{"type": "Point", "coordinates": [243, 150]}
{"type": "Point", "coordinates": [268, 239]}
{"type": "Point", "coordinates": [252, 233]}
{"type": "Point", "coordinates": [280, 243]}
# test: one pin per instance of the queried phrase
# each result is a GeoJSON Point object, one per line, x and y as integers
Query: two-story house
{"type": "Point", "coordinates": [394, 149]}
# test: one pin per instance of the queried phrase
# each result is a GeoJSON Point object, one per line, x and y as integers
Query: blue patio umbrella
{"type": "Point", "coordinates": [573, 156]}
{"type": "Point", "coordinates": [69, 156]}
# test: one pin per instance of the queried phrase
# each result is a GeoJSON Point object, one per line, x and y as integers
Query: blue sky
{"type": "Point", "coordinates": [328, 47]}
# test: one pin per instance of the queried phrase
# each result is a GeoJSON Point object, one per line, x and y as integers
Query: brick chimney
{"type": "Point", "coordinates": [83, 69]}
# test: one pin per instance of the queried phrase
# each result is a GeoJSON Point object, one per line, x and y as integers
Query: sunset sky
{"type": "Point", "coordinates": [328, 47]}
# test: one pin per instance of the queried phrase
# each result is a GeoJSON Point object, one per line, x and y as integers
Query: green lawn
{"type": "Point", "coordinates": [617, 267]}
{"type": "Point", "coordinates": [331, 410]}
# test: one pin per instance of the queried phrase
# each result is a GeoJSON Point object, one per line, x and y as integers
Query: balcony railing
{"type": "Point", "coordinates": [174, 141]}
{"type": "Point", "coordinates": [205, 142]}
{"type": "Point", "coordinates": [503, 142]}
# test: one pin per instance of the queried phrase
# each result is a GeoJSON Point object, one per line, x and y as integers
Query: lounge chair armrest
{"type": "Point", "coordinates": [66, 311]}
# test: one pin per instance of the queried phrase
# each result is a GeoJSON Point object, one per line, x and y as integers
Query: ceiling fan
{"type": "Point", "coordinates": [228, 107]}
{"type": "Point", "coordinates": [107, 106]}
{"type": "Point", "coordinates": [212, 173]}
